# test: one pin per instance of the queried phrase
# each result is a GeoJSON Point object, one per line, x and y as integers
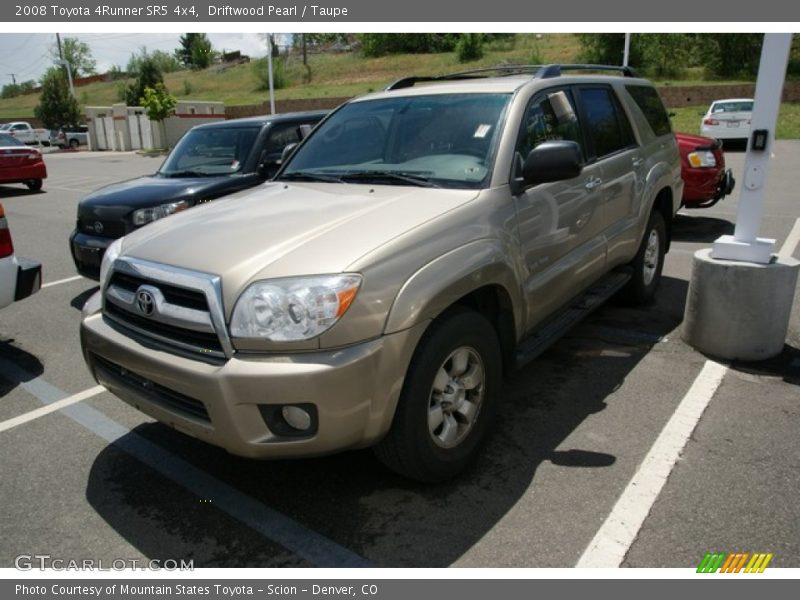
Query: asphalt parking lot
{"type": "Point", "coordinates": [98, 480]}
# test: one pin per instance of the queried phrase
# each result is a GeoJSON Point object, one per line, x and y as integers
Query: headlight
{"type": "Point", "coordinates": [702, 158]}
{"type": "Point", "coordinates": [292, 309]}
{"type": "Point", "coordinates": [112, 252]}
{"type": "Point", "coordinates": [143, 216]}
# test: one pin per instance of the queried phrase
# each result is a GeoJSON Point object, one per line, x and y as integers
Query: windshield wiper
{"type": "Point", "coordinates": [308, 176]}
{"type": "Point", "coordinates": [187, 173]}
{"type": "Point", "coordinates": [408, 178]}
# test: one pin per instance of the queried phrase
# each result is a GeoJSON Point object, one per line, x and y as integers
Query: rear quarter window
{"type": "Point", "coordinates": [649, 102]}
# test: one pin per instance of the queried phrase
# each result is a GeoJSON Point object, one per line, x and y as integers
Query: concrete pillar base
{"type": "Point", "coordinates": [737, 310]}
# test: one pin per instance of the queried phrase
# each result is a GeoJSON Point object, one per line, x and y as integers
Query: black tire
{"type": "Point", "coordinates": [73, 144]}
{"type": "Point", "coordinates": [34, 184]}
{"type": "Point", "coordinates": [648, 263]}
{"type": "Point", "coordinates": [413, 447]}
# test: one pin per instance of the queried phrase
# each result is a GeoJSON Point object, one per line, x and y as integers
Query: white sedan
{"type": "Point", "coordinates": [728, 119]}
{"type": "Point", "coordinates": [19, 277]}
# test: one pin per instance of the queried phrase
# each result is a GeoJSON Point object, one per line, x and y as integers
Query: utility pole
{"type": "Point", "coordinates": [269, 74]}
{"type": "Point", "coordinates": [58, 41]}
{"type": "Point", "coordinates": [13, 79]}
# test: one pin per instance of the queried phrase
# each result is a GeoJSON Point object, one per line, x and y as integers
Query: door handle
{"type": "Point", "coordinates": [593, 182]}
{"type": "Point", "coordinates": [638, 162]}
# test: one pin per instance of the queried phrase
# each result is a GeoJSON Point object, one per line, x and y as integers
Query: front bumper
{"type": "Point", "coordinates": [87, 252]}
{"type": "Point", "coordinates": [353, 390]}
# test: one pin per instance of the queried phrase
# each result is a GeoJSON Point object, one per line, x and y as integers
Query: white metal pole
{"type": "Point", "coordinates": [745, 244]}
{"type": "Point", "coordinates": [269, 70]}
{"type": "Point", "coordinates": [626, 55]}
{"type": "Point", "coordinates": [69, 76]}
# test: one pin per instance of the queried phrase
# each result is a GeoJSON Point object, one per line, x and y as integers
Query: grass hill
{"type": "Point", "coordinates": [332, 74]}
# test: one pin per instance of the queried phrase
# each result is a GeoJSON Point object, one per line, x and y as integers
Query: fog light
{"type": "Point", "coordinates": [296, 417]}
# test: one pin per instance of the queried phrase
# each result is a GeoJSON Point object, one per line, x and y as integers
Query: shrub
{"type": "Point", "coordinates": [469, 47]}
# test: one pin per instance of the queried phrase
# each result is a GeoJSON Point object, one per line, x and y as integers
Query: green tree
{"type": "Point", "coordinates": [57, 107]}
{"type": "Point", "coordinates": [380, 44]}
{"type": "Point", "coordinates": [731, 54]}
{"type": "Point", "coordinates": [470, 47]}
{"type": "Point", "coordinates": [148, 76]}
{"type": "Point", "coordinates": [665, 54]}
{"type": "Point", "coordinates": [159, 104]}
{"type": "Point", "coordinates": [78, 55]}
{"type": "Point", "coordinates": [609, 48]}
{"type": "Point", "coordinates": [195, 51]}
{"type": "Point", "coordinates": [280, 76]}
{"type": "Point", "coordinates": [166, 62]}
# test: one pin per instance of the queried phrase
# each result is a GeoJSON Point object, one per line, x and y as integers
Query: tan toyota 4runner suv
{"type": "Point", "coordinates": [420, 242]}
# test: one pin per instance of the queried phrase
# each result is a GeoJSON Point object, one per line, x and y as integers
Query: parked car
{"type": "Point", "coordinates": [71, 137]}
{"type": "Point", "coordinates": [728, 119]}
{"type": "Point", "coordinates": [20, 163]}
{"type": "Point", "coordinates": [19, 277]}
{"type": "Point", "coordinates": [209, 161]}
{"type": "Point", "coordinates": [418, 243]}
{"type": "Point", "coordinates": [706, 180]}
{"type": "Point", "coordinates": [25, 133]}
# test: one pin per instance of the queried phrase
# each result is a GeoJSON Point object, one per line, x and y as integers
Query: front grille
{"type": "Point", "coordinates": [172, 294]}
{"type": "Point", "coordinates": [155, 393]}
{"type": "Point", "coordinates": [109, 229]}
{"type": "Point", "coordinates": [178, 316]}
{"type": "Point", "coordinates": [204, 343]}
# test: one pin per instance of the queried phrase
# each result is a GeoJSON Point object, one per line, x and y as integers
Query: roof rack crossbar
{"type": "Point", "coordinates": [549, 71]}
{"type": "Point", "coordinates": [407, 82]}
{"type": "Point", "coordinates": [538, 72]}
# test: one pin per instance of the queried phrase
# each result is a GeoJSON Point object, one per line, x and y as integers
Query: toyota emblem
{"type": "Point", "coordinates": [98, 227]}
{"type": "Point", "coordinates": [145, 302]}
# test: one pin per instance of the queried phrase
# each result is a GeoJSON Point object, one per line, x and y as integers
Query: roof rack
{"type": "Point", "coordinates": [538, 72]}
{"type": "Point", "coordinates": [549, 71]}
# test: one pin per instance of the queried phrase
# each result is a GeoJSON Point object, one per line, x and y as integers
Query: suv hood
{"type": "Point", "coordinates": [284, 230]}
{"type": "Point", "coordinates": [144, 192]}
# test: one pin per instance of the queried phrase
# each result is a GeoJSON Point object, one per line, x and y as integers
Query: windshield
{"type": "Point", "coordinates": [5, 126]}
{"type": "Point", "coordinates": [732, 106]}
{"type": "Point", "coordinates": [211, 151]}
{"type": "Point", "coordinates": [444, 140]}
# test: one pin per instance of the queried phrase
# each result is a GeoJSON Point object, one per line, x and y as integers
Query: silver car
{"type": "Point", "coordinates": [419, 243]}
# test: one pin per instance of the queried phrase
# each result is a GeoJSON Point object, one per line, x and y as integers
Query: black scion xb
{"type": "Point", "coordinates": [210, 161]}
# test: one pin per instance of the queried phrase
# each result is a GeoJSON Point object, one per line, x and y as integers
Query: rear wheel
{"type": "Point", "coordinates": [73, 144]}
{"type": "Point", "coordinates": [34, 184]}
{"type": "Point", "coordinates": [448, 400]}
{"type": "Point", "coordinates": [648, 263]}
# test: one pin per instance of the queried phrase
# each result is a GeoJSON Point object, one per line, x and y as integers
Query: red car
{"type": "Point", "coordinates": [705, 178]}
{"type": "Point", "coordinates": [20, 163]}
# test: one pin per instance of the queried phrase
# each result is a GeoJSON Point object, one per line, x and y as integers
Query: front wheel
{"type": "Point", "coordinates": [648, 263]}
{"type": "Point", "coordinates": [448, 400]}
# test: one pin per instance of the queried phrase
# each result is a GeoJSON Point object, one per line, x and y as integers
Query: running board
{"type": "Point", "coordinates": [564, 320]}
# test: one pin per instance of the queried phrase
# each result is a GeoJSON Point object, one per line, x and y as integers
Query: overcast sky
{"type": "Point", "coordinates": [27, 55]}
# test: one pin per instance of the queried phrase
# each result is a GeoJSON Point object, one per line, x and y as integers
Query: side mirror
{"type": "Point", "coordinates": [552, 161]}
{"type": "Point", "coordinates": [287, 152]}
{"type": "Point", "coordinates": [268, 163]}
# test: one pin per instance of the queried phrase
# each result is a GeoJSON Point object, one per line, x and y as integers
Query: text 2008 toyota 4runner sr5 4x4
{"type": "Point", "coordinates": [420, 241]}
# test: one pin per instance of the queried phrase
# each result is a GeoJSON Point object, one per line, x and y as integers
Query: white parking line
{"type": "Point", "coordinates": [60, 281]}
{"type": "Point", "coordinates": [612, 541]}
{"type": "Point", "coordinates": [791, 242]}
{"type": "Point", "coordinates": [46, 410]}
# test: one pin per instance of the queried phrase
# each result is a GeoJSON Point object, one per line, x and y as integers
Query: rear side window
{"type": "Point", "coordinates": [607, 124]}
{"type": "Point", "coordinates": [649, 102]}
